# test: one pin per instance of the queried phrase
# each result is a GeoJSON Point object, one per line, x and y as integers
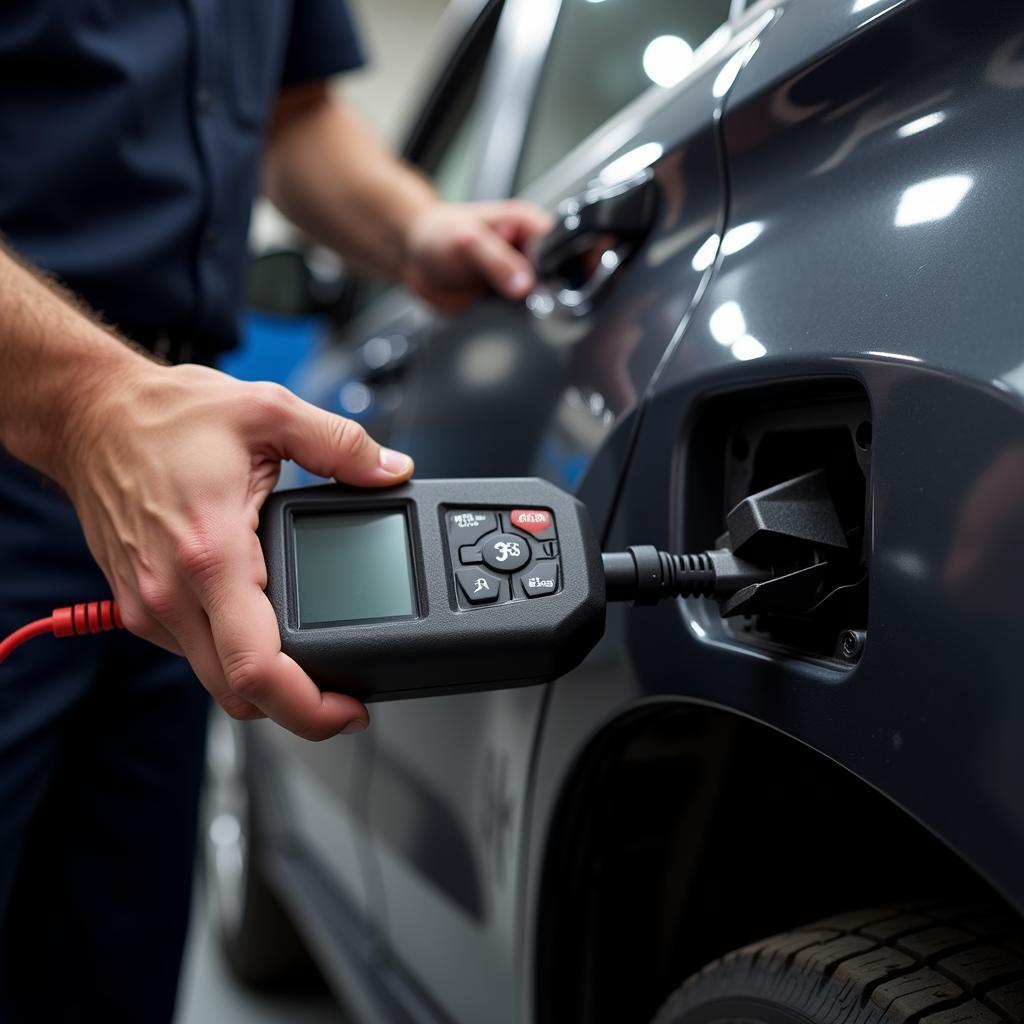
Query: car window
{"type": "Point", "coordinates": [454, 170]}
{"type": "Point", "coordinates": [605, 53]}
{"type": "Point", "coordinates": [444, 146]}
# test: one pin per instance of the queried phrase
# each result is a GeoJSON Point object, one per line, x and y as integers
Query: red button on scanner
{"type": "Point", "coordinates": [532, 520]}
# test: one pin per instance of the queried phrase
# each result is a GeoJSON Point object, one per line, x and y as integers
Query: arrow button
{"type": "Point", "coordinates": [479, 586]}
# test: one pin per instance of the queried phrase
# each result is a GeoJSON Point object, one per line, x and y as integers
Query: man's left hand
{"type": "Point", "coordinates": [457, 251]}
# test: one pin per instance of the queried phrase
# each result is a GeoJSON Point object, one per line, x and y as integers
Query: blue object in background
{"type": "Point", "coordinates": [273, 347]}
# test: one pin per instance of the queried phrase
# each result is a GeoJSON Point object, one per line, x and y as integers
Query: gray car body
{"type": "Point", "coordinates": [418, 858]}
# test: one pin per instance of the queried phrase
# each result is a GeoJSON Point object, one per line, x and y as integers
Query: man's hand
{"type": "Point", "coordinates": [328, 172]}
{"type": "Point", "coordinates": [168, 468]}
{"type": "Point", "coordinates": [457, 251]}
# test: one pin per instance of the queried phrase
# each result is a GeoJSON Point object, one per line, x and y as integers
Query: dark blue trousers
{"type": "Point", "coordinates": [101, 755]}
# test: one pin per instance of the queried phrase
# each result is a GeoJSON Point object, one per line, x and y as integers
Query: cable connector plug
{"type": "Point", "coordinates": [82, 619]}
{"type": "Point", "coordinates": [644, 575]}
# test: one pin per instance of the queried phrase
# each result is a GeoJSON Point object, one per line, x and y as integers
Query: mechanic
{"type": "Point", "coordinates": [133, 138]}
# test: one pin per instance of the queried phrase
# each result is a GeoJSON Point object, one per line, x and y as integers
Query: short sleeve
{"type": "Point", "coordinates": [324, 41]}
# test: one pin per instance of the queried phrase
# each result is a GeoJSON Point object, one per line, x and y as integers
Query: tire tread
{"type": "Point", "coordinates": [923, 962]}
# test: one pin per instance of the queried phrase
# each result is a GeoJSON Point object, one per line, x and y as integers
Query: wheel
{"type": "Point", "coordinates": [915, 964]}
{"type": "Point", "coordinates": [259, 941]}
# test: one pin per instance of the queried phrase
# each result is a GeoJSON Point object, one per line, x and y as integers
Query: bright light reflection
{"type": "Point", "coordinates": [730, 69]}
{"type": "Point", "coordinates": [741, 236]}
{"type": "Point", "coordinates": [355, 397]}
{"type": "Point", "coordinates": [490, 360]}
{"type": "Point", "coordinates": [225, 830]}
{"type": "Point", "coordinates": [705, 255]}
{"type": "Point", "coordinates": [728, 324]}
{"type": "Point", "coordinates": [893, 355]}
{"type": "Point", "coordinates": [717, 39]}
{"type": "Point", "coordinates": [921, 124]}
{"type": "Point", "coordinates": [540, 304]}
{"type": "Point", "coordinates": [1013, 380]}
{"type": "Point", "coordinates": [863, 5]}
{"type": "Point", "coordinates": [609, 259]}
{"type": "Point", "coordinates": [748, 347]}
{"type": "Point", "coordinates": [698, 628]}
{"type": "Point", "coordinates": [667, 59]}
{"type": "Point", "coordinates": [933, 199]}
{"type": "Point", "coordinates": [629, 164]}
{"type": "Point", "coordinates": [729, 328]}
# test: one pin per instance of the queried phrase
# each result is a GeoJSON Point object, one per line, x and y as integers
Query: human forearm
{"type": "Point", "coordinates": [53, 357]}
{"type": "Point", "coordinates": [167, 467]}
{"type": "Point", "coordinates": [328, 172]}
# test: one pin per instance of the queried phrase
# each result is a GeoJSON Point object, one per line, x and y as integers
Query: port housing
{"type": "Point", "coordinates": [745, 443]}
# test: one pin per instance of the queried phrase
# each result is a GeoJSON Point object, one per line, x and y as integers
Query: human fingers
{"type": "Point", "coordinates": [498, 262]}
{"type": "Point", "coordinates": [248, 644]}
{"type": "Point", "coordinates": [326, 444]}
{"type": "Point", "coordinates": [191, 628]}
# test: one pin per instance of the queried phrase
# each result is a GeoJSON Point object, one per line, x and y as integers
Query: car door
{"type": "Point", "coordinates": [871, 150]}
{"type": "Point", "coordinates": [552, 387]}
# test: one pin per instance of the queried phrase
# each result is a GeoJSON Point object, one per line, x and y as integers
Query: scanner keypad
{"type": "Point", "coordinates": [504, 555]}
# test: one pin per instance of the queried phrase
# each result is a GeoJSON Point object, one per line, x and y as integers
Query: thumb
{"type": "Point", "coordinates": [330, 445]}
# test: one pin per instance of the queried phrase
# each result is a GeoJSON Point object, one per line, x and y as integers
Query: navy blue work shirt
{"type": "Point", "coordinates": [130, 143]}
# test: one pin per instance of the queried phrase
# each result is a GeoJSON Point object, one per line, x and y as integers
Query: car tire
{"type": "Point", "coordinates": [259, 941]}
{"type": "Point", "coordinates": [913, 964]}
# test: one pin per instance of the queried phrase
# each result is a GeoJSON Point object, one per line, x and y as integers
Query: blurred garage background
{"type": "Point", "coordinates": [398, 37]}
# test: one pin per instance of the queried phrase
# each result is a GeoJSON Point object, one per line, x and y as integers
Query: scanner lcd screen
{"type": "Point", "coordinates": [353, 567]}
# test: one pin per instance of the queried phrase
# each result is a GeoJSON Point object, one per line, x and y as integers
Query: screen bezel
{"type": "Point", "coordinates": [408, 512]}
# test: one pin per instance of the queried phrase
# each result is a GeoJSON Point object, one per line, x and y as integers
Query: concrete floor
{"type": "Point", "coordinates": [209, 995]}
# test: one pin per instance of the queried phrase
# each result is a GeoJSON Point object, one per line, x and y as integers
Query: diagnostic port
{"type": "Point", "coordinates": [793, 471]}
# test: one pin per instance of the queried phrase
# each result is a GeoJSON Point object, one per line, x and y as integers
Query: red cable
{"type": "Point", "coordinates": [19, 636]}
{"type": "Point", "coordinates": [75, 620]}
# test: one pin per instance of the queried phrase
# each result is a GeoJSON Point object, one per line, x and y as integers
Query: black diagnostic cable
{"type": "Point", "coordinates": [644, 575]}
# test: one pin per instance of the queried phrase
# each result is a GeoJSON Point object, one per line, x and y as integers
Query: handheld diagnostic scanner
{"type": "Point", "coordinates": [437, 586]}
{"type": "Point", "coordinates": [445, 586]}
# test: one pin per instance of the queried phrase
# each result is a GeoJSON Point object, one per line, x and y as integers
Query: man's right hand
{"type": "Point", "coordinates": [167, 468]}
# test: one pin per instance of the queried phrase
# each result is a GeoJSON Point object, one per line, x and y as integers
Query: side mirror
{"type": "Point", "coordinates": [285, 282]}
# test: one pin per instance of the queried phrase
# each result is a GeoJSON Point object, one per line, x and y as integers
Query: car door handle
{"type": "Point", "coordinates": [595, 233]}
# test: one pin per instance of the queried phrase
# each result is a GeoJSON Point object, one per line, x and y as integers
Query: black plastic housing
{"type": "Point", "coordinates": [444, 649]}
{"type": "Point", "coordinates": [747, 443]}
